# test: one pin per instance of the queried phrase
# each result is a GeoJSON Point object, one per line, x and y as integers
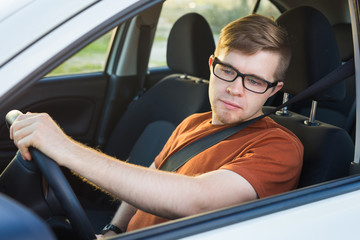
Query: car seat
{"type": "Point", "coordinates": [328, 150]}
{"type": "Point", "coordinates": [148, 122]}
{"type": "Point", "coordinates": [337, 111]}
{"type": "Point", "coordinates": [342, 113]}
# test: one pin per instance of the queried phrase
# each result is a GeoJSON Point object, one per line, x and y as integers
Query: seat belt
{"type": "Point", "coordinates": [142, 58]}
{"type": "Point", "coordinates": [179, 158]}
{"type": "Point", "coordinates": [183, 155]}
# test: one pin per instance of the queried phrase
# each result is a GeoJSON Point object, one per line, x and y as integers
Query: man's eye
{"type": "Point", "coordinates": [226, 70]}
{"type": "Point", "coordinates": [254, 81]}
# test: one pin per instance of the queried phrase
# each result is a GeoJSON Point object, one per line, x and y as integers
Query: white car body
{"type": "Point", "coordinates": [332, 218]}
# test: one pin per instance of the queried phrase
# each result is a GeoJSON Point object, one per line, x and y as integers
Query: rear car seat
{"type": "Point", "coordinates": [148, 122]}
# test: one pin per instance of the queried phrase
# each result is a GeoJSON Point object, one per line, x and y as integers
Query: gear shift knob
{"type": "Point", "coordinates": [11, 117]}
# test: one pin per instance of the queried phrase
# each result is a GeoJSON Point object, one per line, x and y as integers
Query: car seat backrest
{"type": "Point", "coordinates": [328, 150]}
{"type": "Point", "coordinates": [337, 105]}
{"type": "Point", "coordinates": [346, 108]}
{"type": "Point", "coordinates": [314, 52]}
{"type": "Point", "coordinates": [341, 113]}
{"type": "Point", "coordinates": [344, 40]}
{"type": "Point", "coordinates": [148, 122]}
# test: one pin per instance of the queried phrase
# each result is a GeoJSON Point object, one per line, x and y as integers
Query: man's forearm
{"type": "Point", "coordinates": [123, 215]}
{"type": "Point", "coordinates": [158, 192]}
{"type": "Point", "coordinates": [164, 194]}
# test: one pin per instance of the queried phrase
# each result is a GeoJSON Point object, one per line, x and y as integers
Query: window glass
{"type": "Point", "coordinates": [92, 58]}
{"type": "Point", "coordinates": [266, 8]}
{"type": "Point", "coordinates": [217, 13]}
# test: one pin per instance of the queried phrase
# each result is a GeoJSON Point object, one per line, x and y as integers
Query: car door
{"type": "Point", "coordinates": [74, 100]}
{"type": "Point", "coordinates": [87, 93]}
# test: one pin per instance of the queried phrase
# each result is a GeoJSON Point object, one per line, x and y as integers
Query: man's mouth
{"type": "Point", "coordinates": [230, 105]}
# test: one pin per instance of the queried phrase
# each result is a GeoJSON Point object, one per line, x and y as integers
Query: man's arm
{"type": "Point", "coordinates": [165, 194]}
{"type": "Point", "coordinates": [123, 215]}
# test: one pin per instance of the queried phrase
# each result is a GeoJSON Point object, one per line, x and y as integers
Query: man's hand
{"type": "Point", "coordinates": [37, 130]}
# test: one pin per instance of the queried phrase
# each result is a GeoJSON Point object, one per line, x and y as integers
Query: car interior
{"type": "Point", "coordinates": [137, 130]}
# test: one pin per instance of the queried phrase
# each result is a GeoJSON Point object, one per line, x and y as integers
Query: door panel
{"type": "Point", "coordinates": [75, 103]}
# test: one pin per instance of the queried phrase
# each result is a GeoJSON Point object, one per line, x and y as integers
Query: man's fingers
{"type": "Point", "coordinates": [25, 154]}
{"type": "Point", "coordinates": [23, 145]}
{"type": "Point", "coordinates": [21, 131]}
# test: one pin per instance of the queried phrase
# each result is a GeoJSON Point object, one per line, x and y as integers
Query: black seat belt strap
{"type": "Point", "coordinates": [143, 57]}
{"type": "Point", "coordinates": [183, 155]}
{"type": "Point", "coordinates": [180, 157]}
{"type": "Point", "coordinates": [337, 75]}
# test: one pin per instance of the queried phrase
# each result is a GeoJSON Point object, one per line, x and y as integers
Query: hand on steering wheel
{"type": "Point", "coordinates": [61, 188]}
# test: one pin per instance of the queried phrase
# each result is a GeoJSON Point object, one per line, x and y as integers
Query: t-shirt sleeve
{"type": "Point", "coordinates": [271, 164]}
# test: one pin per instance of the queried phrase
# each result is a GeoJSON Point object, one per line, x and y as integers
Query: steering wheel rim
{"type": "Point", "coordinates": [61, 187]}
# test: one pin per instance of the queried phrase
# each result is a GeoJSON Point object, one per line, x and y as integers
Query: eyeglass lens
{"type": "Point", "coordinates": [251, 83]}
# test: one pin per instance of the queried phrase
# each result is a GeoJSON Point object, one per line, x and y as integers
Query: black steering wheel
{"type": "Point", "coordinates": [61, 188]}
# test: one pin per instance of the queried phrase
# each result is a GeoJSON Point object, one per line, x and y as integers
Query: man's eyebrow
{"type": "Point", "coordinates": [250, 74]}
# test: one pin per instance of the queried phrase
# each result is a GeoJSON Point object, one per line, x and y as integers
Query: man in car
{"type": "Point", "coordinates": [261, 160]}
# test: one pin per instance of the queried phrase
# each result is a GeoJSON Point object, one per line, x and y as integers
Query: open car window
{"type": "Point", "coordinates": [92, 58]}
{"type": "Point", "coordinates": [217, 13]}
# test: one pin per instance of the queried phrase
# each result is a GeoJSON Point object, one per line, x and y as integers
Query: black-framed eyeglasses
{"type": "Point", "coordinates": [250, 82]}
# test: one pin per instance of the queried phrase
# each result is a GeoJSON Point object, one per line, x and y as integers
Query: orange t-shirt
{"type": "Point", "coordinates": [266, 154]}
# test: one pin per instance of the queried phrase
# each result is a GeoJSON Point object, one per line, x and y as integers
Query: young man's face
{"type": "Point", "coordinates": [230, 101]}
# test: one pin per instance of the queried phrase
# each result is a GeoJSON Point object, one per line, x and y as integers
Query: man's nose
{"type": "Point", "coordinates": [236, 87]}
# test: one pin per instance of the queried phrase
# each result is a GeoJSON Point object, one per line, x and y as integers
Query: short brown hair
{"type": "Point", "coordinates": [255, 33]}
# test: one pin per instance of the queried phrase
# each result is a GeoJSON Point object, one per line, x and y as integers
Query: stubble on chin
{"type": "Point", "coordinates": [230, 117]}
{"type": "Point", "coordinates": [223, 117]}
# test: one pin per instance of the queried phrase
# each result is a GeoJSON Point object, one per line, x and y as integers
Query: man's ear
{"type": "Point", "coordinates": [277, 88]}
{"type": "Point", "coordinates": [211, 59]}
